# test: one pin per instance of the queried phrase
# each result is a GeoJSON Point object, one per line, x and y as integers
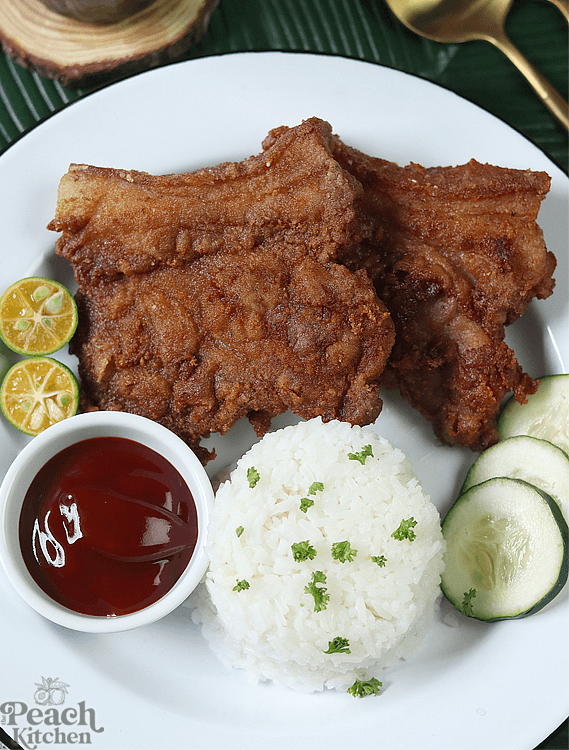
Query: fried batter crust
{"type": "Point", "coordinates": [456, 256]}
{"type": "Point", "coordinates": [198, 347]}
{"type": "Point", "coordinates": [211, 296]}
{"type": "Point", "coordinates": [292, 198]}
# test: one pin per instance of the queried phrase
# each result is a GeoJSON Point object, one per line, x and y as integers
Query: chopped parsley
{"type": "Point", "coordinates": [253, 476]}
{"type": "Point", "coordinates": [361, 688]}
{"type": "Point", "coordinates": [315, 487]}
{"type": "Point", "coordinates": [343, 551]}
{"type": "Point", "coordinates": [303, 551]}
{"type": "Point", "coordinates": [239, 530]}
{"type": "Point", "coordinates": [241, 585]}
{"type": "Point", "coordinates": [379, 560]}
{"type": "Point", "coordinates": [321, 598]}
{"type": "Point", "coordinates": [467, 602]}
{"type": "Point", "coordinates": [305, 504]}
{"type": "Point", "coordinates": [405, 530]}
{"type": "Point", "coordinates": [338, 645]}
{"type": "Point", "coordinates": [361, 455]}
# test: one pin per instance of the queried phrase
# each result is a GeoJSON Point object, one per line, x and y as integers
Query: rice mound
{"type": "Point", "coordinates": [272, 628]}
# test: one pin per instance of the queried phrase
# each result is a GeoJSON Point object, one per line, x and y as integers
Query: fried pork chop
{"type": "Point", "coordinates": [292, 198]}
{"type": "Point", "coordinates": [456, 255]}
{"type": "Point", "coordinates": [210, 296]}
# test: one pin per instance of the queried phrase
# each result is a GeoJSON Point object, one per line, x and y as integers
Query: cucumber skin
{"type": "Point", "coordinates": [563, 569]}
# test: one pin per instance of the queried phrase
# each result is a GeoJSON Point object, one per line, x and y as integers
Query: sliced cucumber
{"type": "Point", "coordinates": [506, 553]}
{"type": "Point", "coordinates": [544, 415]}
{"type": "Point", "coordinates": [536, 461]}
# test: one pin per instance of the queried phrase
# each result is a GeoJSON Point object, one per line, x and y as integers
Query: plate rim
{"type": "Point", "coordinates": [289, 53]}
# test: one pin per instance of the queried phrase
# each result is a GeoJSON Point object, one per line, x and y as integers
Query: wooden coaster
{"type": "Point", "coordinates": [60, 47]}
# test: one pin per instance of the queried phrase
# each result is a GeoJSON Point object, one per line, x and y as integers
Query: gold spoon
{"type": "Point", "coordinates": [563, 6]}
{"type": "Point", "coordinates": [466, 20]}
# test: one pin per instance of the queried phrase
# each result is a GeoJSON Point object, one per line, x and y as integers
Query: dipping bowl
{"type": "Point", "coordinates": [49, 443]}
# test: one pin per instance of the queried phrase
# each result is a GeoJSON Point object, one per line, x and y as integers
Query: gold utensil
{"type": "Point", "coordinates": [467, 20]}
{"type": "Point", "coordinates": [563, 6]}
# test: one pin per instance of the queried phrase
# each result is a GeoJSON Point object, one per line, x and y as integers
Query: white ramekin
{"type": "Point", "coordinates": [60, 436]}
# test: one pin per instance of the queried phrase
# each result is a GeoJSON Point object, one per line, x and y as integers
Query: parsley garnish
{"type": "Point", "coordinates": [239, 530]}
{"type": "Point", "coordinates": [362, 688]}
{"type": "Point", "coordinates": [305, 504]}
{"type": "Point", "coordinates": [467, 602]}
{"type": "Point", "coordinates": [253, 476]}
{"type": "Point", "coordinates": [321, 598]}
{"type": "Point", "coordinates": [241, 585]}
{"type": "Point", "coordinates": [303, 551]}
{"type": "Point", "coordinates": [380, 560]}
{"type": "Point", "coordinates": [405, 530]}
{"type": "Point", "coordinates": [338, 645]}
{"type": "Point", "coordinates": [361, 455]}
{"type": "Point", "coordinates": [343, 552]}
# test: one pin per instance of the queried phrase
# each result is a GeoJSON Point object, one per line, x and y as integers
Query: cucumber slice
{"type": "Point", "coordinates": [506, 553]}
{"type": "Point", "coordinates": [536, 461]}
{"type": "Point", "coordinates": [544, 415]}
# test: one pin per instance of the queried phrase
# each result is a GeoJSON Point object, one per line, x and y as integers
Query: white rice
{"type": "Point", "coordinates": [271, 629]}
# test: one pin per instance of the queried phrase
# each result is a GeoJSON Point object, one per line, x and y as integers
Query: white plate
{"type": "Point", "coordinates": [473, 685]}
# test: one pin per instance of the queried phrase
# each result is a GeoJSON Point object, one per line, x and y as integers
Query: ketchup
{"type": "Point", "coordinates": [107, 526]}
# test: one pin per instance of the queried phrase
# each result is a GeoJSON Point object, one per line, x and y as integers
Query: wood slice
{"type": "Point", "coordinates": [68, 50]}
{"type": "Point", "coordinates": [97, 11]}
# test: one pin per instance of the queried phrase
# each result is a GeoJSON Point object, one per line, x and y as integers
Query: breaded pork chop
{"type": "Point", "coordinates": [210, 296]}
{"type": "Point", "coordinates": [198, 347]}
{"type": "Point", "coordinates": [292, 198]}
{"type": "Point", "coordinates": [456, 255]}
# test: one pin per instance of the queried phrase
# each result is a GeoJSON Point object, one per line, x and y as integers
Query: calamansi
{"type": "Point", "coordinates": [38, 392]}
{"type": "Point", "coordinates": [37, 316]}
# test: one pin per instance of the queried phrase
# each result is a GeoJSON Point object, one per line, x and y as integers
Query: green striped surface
{"type": "Point", "coordinates": [361, 29]}
{"type": "Point", "coordinates": [364, 30]}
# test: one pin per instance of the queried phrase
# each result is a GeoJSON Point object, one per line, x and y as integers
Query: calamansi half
{"type": "Point", "coordinates": [37, 316]}
{"type": "Point", "coordinates": [38, 392]}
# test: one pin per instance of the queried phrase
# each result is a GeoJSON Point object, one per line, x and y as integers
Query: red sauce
{"type": "Point", "coordinates": [107, 526]}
